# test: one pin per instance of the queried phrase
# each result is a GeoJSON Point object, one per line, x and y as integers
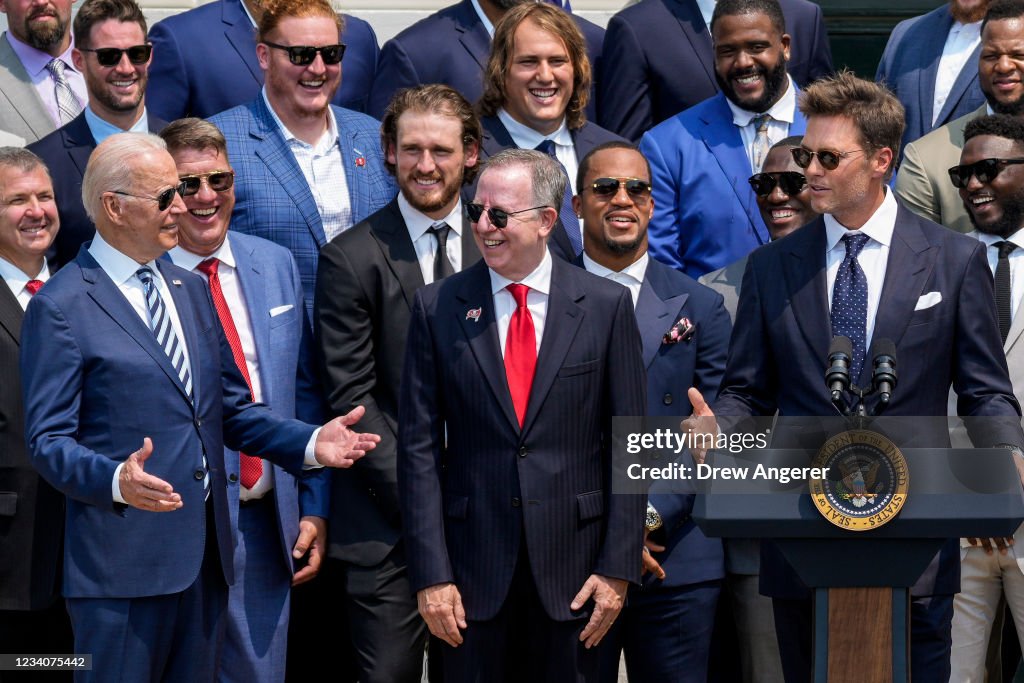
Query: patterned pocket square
{"type": "Point", "coordinates": [683, 330]}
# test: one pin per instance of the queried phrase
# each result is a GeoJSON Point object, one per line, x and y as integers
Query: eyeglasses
{"type": "Point", "coordinates": [498, 217]}
{"type": "Point", "coordinates": [163, 200]}
{"type": "Point", "coordinates": [219, 181]}
{"type": "Point", "coordinates": [985, 171]}
{"type": "Point", "coordinates": [111, 56]}
{"type": "Point", "coordinates": [791, 182]}
{"type": "Point", "coordinates": [303, 55]}
{"type": "Point", "coordinates": [609, 187]}
{"type": "Point", "coordinates": [828, 158]}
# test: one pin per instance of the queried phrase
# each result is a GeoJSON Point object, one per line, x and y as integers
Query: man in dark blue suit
{"type": "Point", "coordinates": [451, 47]}
{"type": "Point", "coordinates": [518, 548]}
{"type": "Point", "coordinates": [279, 519]}
{"type": "Point", "coordinates": [538, 50]}
{"type": "Point", "coordinates": [888, 275]}
{"type": "Point", "coordinates": [205, 60]}
{"type": "Point", "coordinates": [121, 351]}
{"type": "Point", "coordinates": [665, 628]}
{"type": "Point", "coordinates": [101, 26]}
{"type": "Point", "coordinates": [659, 60]}
{"type": "Point", "coordinates": [931, 64]}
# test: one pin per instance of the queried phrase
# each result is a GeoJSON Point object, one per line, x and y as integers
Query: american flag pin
{"type": "Point", "coordinates": [474, 314]}
{"type": "Point", "coordinates": [176, 283]}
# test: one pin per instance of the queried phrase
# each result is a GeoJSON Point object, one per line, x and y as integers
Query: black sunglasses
{"type": "Point", "coordinates": [791, 183]}
{"type": "Point", "coordinates": [829, 159]}
{"type": "Point", "coordinates": [498, 217]}
{"type": "Point", "coordinates": [608, 187]}
{"type": "Point", "coordinates": [303, 55]}
{"type": "Point", "coordinates": [111, 56]}
{"type": "Point", "coordinates": [219, 181]}
{"type": "Point", "coordinates": [163, 200]}
{"type": "Point", "coordinates": [985, 171]}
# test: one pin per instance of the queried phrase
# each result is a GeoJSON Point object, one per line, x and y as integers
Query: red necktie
{"type": "Point", "coordinates": [520, 352]}
{"type": "Point", "coordinates": [33, 286]}
{"type": "Point", "coordinates": [251, 467]}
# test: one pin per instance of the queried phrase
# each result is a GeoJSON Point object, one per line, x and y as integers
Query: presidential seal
{"type": "Point", "coordinates": [865, 483]}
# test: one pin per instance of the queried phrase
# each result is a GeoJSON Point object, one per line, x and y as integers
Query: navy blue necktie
{"type": "Point", "coordinates": [850, 302]}
{"type": "Point", "coordinates": [568, 217]}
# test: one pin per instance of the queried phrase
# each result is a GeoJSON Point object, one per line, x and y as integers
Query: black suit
{"type": "Point", "coordinates": [366, 282]}
{"type": "Point", "coordinates": [66, 152]}
{"type": "Point", "coordinates": [32, 617]}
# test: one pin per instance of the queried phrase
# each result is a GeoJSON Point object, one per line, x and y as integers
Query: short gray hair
{"type": "Point", "coordinates": [110, 167]}
{"type": "Point", "coordinates": [547, 176]}
{"type": "Point", "coordinates": [21, 159]}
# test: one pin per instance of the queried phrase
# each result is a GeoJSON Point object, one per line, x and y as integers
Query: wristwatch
{"type": "Point", "coordinates": [652, 520]}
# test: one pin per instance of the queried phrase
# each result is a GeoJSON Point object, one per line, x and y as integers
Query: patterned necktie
{"type": "Point", "coordinates": [251, 468]}
{"type": "Point", "coordinates": [166, 337]}
{"type": "Point", "coordinates": [520, 352]}
{"type": "Point", "coordinates": [68, 106]}
{"type": "Point", "coordinates": [759, 150]}
{"type": "Point", "coordinates": [1004, 299]}
{"type": "Point", "coordinates": [850, 302]}
{"type": "Point", "coordinates": [442, 266]}
{"type": "Point", "coordinates": [568, 217]}
{"type": "Point", "coordinates": [33, 286]}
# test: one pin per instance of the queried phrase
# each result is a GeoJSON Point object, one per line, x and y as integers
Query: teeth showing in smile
{"type": "Point", "coordinates": [749, 80]}
{"type": "Point", "coordinates": [34, 230]}
{"type": "Point", "coordinates": [492, 243]}
{"type": "Point", "coordinates": [982, 199]}
{"type": "Point", "coordinates": [123, 84]}
{"type": "Point", "coordinates": [427, 182]}
{"type": "Point", "coordinates": [621, 219]}
{"type": "Point", "coordinates": [313, 84]}
{"type": "Point", "coordinates": [782, 214]}
{"type": "Point", "coordinates": [543, 93]}
{"type": "Point", "coordinates": [202, 213]}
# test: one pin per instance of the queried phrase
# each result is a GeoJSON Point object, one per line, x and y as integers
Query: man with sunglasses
{"type": "Point", "coordinates": [518, 548]}
{"type": "Point", "coordinates": [868, 269]}
{"type": "Point", "coordinates": [705, 216]}
{"type": "Point", "coordinates": [112, 53]}
{"type": "Point", "coordinates": [134, 393]}
{"type": "Point", "coordinates": [665, 627]}
{"type": "Point", "coordinates": [278, 519]}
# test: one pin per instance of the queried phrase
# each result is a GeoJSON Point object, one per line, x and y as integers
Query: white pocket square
{"type": "Point", "coordinates": [928, 300]}
{"type": "Point", "coordinates": [278, 310]}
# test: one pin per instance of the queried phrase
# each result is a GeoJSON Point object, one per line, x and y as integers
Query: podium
{"type": "Point", "coordinates": [861, 579]}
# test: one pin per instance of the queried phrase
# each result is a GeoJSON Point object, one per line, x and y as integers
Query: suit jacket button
{"type": "Point", "coordinates": [199, 474]}
{"type": "Point", "coordinates": [522, 451]}
{"type": "Point", "coordinates": [198, 422]}
{"type": "Point", "coordinates": [232, 477]}
{"type": "Point", "coordinates": [516, 502]}
{"type": "Point", "coordinates": [667, 399]}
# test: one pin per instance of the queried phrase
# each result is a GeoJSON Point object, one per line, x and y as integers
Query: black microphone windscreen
{"type": "Point", "coordinates": [883, 347]}
{"type": "Point", "coordinates": [841, 345]}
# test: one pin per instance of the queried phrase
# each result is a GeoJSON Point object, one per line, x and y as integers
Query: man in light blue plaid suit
{"type": "Point", "coordinates": [305, 170]}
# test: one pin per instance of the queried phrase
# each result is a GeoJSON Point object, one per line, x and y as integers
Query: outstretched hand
{"type": "Point", "coordinates": [338, 446]}
{"type": "Point", "coordinates": [701, 426]}
{"type": "Point", "coordinates": [144, 491]}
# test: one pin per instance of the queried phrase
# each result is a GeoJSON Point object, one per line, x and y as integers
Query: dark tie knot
{"type": "Point", "coordinates": [546, 146]}
{"type": "Point", "coordinates": [519, 293]}
{"type": "Point", "coordinates": [1005, 248]}
{"type": "Point", "coordinates": [854, 244]}
{"type": "Point", "coordinates": [145, 275]}
{"type": "Point", "coordinates": [209, 267]}
{"type": "Point", "coordinates": [440, 232]}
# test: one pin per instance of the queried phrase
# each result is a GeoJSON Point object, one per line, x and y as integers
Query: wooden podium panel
{"type": "Point", "coordinates": [860, 635]}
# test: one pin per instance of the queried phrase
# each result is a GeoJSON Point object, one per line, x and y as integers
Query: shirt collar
{"type": "Point", "coordinates": [783, 110]}
{"type": "Point", "coordinates": [245, 8]}
{"type": "Point", "coordinates": [119, 266]}
{"type": "Point", "coordinates": [101, 130]}
{"type": "Point", "coordinates": [326, 141]}
{"type": "Point", "coordinates": [527, 138]}
{"type": "Point", "coordinates": [707, 8]}
{"type": "Point", "coordinates": [17, 277]}
{"type": "Point", "coordinates": [190, 260]}
{"type": "Point", "coordinates": [635, 270]}
{"type": "Point", "coordinates": [879, 227]}
{"type": "Point", "coordinates": [483, 18]}
{"type": "Point", "coordinates": [1017, 238]}
{"type": "Point", "coordinates": [539, 279]}
{"type": "Point", "coordinates": [34, 60]}
{"type": "Point", "coordinates": [418, 222]}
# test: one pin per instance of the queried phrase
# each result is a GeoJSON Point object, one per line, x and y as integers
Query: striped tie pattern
{"type": "Point", "coordinates": [68, 106]}
{"type": "Point", "coordinates": [160, 323]}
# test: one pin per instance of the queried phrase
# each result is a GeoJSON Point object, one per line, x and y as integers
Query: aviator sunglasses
{"type": "Point", "coordinates": [985, 171]}
{"type": "Point", "coordinates": [498, 217]}
{"type": "Point", "coordinates": [303, 55]}
{"type": "Point", "coordinates": [609, 187]}
{"type": "Point", "coordinates": [111, 56]}
{"type": "Point", "coordinates": [163, 200]}
{"type": "Point", "coordinates": [219, 181]}
{"type": "Point", "coordinates": [791, 183]}
{"type": "Point", "coordinates": [828, 158]}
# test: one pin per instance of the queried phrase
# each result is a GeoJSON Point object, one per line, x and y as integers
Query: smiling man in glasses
{"type": "Point", "coordinates": [112, 53]}
{"type": "Point", "coordinates": [518, 548]}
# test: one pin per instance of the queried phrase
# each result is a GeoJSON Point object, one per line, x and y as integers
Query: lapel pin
{"type": "Point", "coordinates": [176, 283]}
{"type": "Point", "coordinates": [474, 314]}
{"type": "Point", "coordinates": [360, 159]}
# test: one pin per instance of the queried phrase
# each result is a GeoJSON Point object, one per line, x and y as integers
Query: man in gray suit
{"type": "Point", "coordinates": [40, 88]}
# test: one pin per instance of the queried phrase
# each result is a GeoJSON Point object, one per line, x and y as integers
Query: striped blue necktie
{"type": "Point", "coordinates": [160, 323]}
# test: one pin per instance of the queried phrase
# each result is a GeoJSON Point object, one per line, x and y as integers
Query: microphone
{"type": "Point", "coordinates": [883, 377]}
{"type": "Point", "coordinates": [837, 377]}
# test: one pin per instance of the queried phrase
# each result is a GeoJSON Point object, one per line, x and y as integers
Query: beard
{"type": "Point", "coordinates": [1010, 222]}
{"type": "Point", "coordinates": [968, 15]}
{"type": "Point", "coordinates": [44, 36]}
{"type": "Point", "coordinates": [1011, 108]}
{"type": "Point", "coordinates": [448, 192]}
{"type": "Point", "coordinates": [774, 86]}
{"type": "Point", "coordinates": [625, 248]}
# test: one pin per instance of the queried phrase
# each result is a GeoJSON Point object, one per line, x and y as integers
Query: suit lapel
{"type": "Point", "coordinates": [472, 34]}
{"type": "Point", "coordinates": [696, 32]}
{"type": "Point", "coordinates": [805, 275]}
{"type": "Point", "coordinates": [242, 36]}
{"type": "Point", "coordinates": [392, 234]}
{"type": "Point", "coordinates": [932, 43]}
{"type": "Point", "coordinates": [470, 252]}
{"type": "Point", "coordinates": [496, 137]}
{"type": "Point", "coordinates": [16, 83]}
{"type": "Point", "coordinates": [481, 331]}
{"type": "Point", "coordinates": [10, 313]}
{"type": "Point", "coordinates": [1016, 327]}
{"type": "Point", "coordinates": [655, 312]}
{"type": "Point", "coordinates": [359, 190]}
{"type": "Point", "coordinates": [254, 287]}
{"type": "Point", "coordinates": [960, 87]}
{"type": "Point", "coordinates": [188, 331]}
{"type": "Point", "coordinates": [79, 142]}
{"type": "Point", "coordinates": [583, 141]}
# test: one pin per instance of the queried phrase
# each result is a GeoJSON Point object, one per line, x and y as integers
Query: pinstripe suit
{"type": "Point", "coordinates": [272, 198]}
{"type": "Point", "coordinates": [470, 505]}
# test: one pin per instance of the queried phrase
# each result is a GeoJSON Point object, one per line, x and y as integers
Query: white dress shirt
{"type": "Point", "coordinates": [527, 138]}
{"type": "Point", "coordinates": [417, 223]}
{"type": "Point", "coordinates": [872, 259]}
{"type": "Point", "coordinates": [16, 280]}
{"type": "Point", "coordinates": [1016, 259]}
{"type": "Point", "coordinates": [539, 282]}
{"type": "Point", "coordinates": [782, 113]}
{"type": "Point", "coordinates": [631, 277]}
{"type": "Point", "coordinates": [960, 44]}
{"type": "Point", "coordinates": [323, 167]}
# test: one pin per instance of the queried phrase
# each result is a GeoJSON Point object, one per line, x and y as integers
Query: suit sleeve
{"type": "Point", "coordinates": [344, 330]}
{"type": "Point", "coordinates": [915, 189]}
{"type": "Point", "coordinates": [51, 370]}
{"type": "Point", "coordinates": [167, 96]}
{"type": "Point", "coordinates": [420, 442]}
{"type": "Point", "coordinates": [663, 230]}
{"type": "Point", "coordinates": [394, 72]}
{"type": "Point", "coordinates": [624, 97]}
